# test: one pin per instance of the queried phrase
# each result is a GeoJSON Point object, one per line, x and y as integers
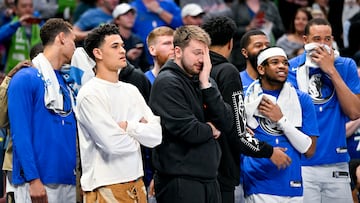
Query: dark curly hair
{"type": "Point", "coordinates": [221, 29]}
{"type": "Point", "coordinates": [97, 36]}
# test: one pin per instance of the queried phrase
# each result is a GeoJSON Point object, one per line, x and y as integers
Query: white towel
{"type": "Point", "coordinates": [302, 72]}
{"type": "Point", "coordinates": [81, 60]}
{"type": "Point", "coordinates": [53, 96]}
{"type": "Point", "coordinates": [288, 102]}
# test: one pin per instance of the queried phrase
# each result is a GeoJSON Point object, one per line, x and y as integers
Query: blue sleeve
{"type": "Point", "coordinates": [176, 12]}
{"type": "Point", "coordinates": [352, 79]}
{"type": "Point", "coordinates": [84, 23]}
{"type": "Point", "coordinates": [8, 30]}
{"type": "Point", "coordinates": [309, 119]}
{"type": "Point", "coordinates": [20, 106]}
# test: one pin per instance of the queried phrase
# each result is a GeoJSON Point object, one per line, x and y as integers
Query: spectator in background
{"type": "Point", "coordinates": [353, 50]}
{"type": "Point", "coordinates": [351, 11]}
{"type": "Point", "coordinates": [81, 7]}
{"type": "Point", "coordinates": [7, 11]}
{"type": "Point", "coordinates": [211, 7]}
{"type": "Point", "coordinates": [55, 8]}
{"type": "Point", "coordinates": [192, 14]}
{"type": "Point", "coordinates": [293, 40]}
{"type": "Point", "coordinates": [152, 14]}
{"type": "Point", "coordinates": [161, 48]}
{"type": "Point", "coordinates": [46, 8]}
{"type": "Point", "coordinates": [19, 35]}
{"type": "Point", "coordinates": [257, 14]}
{"type": "Point", "coordinates": [321, 5]}
{"type": "Point", "coordinates": [335, 19]}
{"type": "Point", "coordinates": [351, 7]}
{"type": "Point", "coordinates": [287, 9]}
{"type": "Point", "coordinates": [94, 17]}
{"type": "Point", "coordinates": [353, 138]}
{"type": "Point", "coordinates": [317, 13]}
{"type": "Point", "coordinates": [254, 14]}
{"type": "Point", "coordinates": [124, 17]}
{"type": "Point", "coordinates": [350, 37]}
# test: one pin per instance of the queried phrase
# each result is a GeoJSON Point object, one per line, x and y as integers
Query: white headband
{"type": "Point", "coordinates": [270, 52]}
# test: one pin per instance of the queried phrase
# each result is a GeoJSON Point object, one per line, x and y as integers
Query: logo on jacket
{"type": "Point", "coordinates": [239, 108]}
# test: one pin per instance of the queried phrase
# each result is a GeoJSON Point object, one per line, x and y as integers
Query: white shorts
{"type": "Point", "coordinates": [327, 183]}
{"type": "Point", "coordinates": [56, 193]}
{"type": "Point", "coordinates": [265, 198]}
{"type": "Point", "coordinates": [239, 194]}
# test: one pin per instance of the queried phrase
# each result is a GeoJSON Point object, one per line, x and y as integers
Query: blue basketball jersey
{"type": "Point", "coordinates": [261, 176]}
{"type": "Point", "coordinates": [331, 144]}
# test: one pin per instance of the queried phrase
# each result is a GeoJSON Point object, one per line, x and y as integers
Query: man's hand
{"type": "Point", "coordinates": [143, 120]}
{"type": "Point", "coordinates": [280, 158]}
{"type": "Point", "coordinates": [123, 125]}
{"type": "Point", "coordinates": [204, 74]}
{"type": "Point", "coordinates": [270, 110]}
{"type": "Point", "coordinates": [151, 189]}
{"type": "Point", "coordinates": [152, 5]}
{"type": "Point", "coordinates": [215, 131]}
{"type": "Point", "coordinates": [324, 59]}
{"type": "Point", "coordinates": [29, 19]}
{"type": "Point", "coordinates": [19, 66]}
{"type": "Point", "coordinates": [37, 191]}
{"type": "Point", "coordinates": [251, 132]}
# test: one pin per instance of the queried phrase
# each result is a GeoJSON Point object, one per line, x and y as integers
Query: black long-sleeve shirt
{"type": "Point", "coordinates": [235, 141]}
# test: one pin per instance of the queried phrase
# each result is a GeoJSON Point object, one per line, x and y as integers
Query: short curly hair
{"type": "Point", "coordinates": [221, 30]}
{"type": "Point", "coordinates": [97, 36]}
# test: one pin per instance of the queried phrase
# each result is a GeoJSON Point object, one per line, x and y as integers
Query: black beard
{"type": "Point", "coordinates": [253, 61]}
